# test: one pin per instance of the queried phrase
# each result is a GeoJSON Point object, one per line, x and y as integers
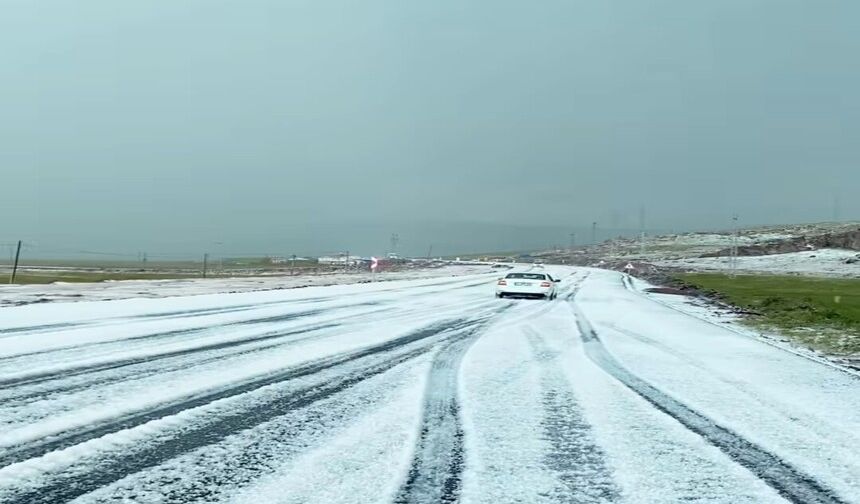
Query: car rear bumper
{"type": "Point", "coordinates": [534, 293]}
{"type": "Point", "coordinates": [524, 295]}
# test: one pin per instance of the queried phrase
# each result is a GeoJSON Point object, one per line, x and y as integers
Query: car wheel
{"type": "Point", "coordinates": [500, 295]}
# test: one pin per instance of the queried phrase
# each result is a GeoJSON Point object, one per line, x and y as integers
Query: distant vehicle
{"type": "Point", "coordinates": [533, 285]}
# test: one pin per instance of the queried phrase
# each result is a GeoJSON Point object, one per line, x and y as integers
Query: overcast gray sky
{"type": "Point", "coordinates": [319, 125]}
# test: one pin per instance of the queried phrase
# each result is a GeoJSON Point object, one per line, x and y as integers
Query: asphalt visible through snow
{"type": "Point", "coordinates": [414, 392]}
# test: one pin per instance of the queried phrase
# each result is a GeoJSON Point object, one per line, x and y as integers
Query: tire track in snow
{"type": "Point", "coordinates": [130, 361]}
{"type": "Point", "coordinates": [542, 306]}
{"type": "Point", "coordinates": [811, 424]}
{"type": "Point", "coordinates": [435, 475]}
{"type": "Point", "coordinates": [158, 335]}
{"type": "Point", "coordinates": [95, 375]}
{"type": "Point", "coordinates": [63, 487]}
{"type": "Point", "coordinates": [25, 405]}
{"type": "Point", "coordinates": [115, 466]}
{"type": "Point", "coordinates": [200, 312]}
{"type": "Point", "coordinates": [574, 456]}
{"type": "Point", "coordinates": [205, 328]}
{"type": "Point", "coordinates": [577, 285]}
{"type": "Point", "coordinates": [178, 361]}
{"type": "Point", "coordinates": [62, 440]}
{"type": "Point", "coordinates": [789, 482]}
{"type": "Point", "coordinates": [15, 331]}
{"type": "Point", "coordinates": [215, 473]}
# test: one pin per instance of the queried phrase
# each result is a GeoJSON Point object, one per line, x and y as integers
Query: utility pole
{"type": "Point", "coordinates": [293, 265]}
{"type": "Point", "coordinates": [430, 252]}
{"type": "Point", "coordinates": [594, 233]}
{"type": "Point", "coordinates": [734, 249]}
{"type": "Point", "coordinates": [205, 262]}
{"type": "Point", "coordinates": [220, 248]}
{"type": "Point", "coordinates": [642, 230]}
{"type": "Point", "coordinates": [346, 263]}
{"type": "Point", "coordinates": [15, 266]}
{"type": "Point", "coordinates": [395, 239]}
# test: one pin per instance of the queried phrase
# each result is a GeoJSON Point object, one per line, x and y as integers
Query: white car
{"type": "Point", "coordinates": [527, 284]}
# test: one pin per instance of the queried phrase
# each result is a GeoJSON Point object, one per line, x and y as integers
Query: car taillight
{"type": "Point", "coordinates": [502, 282]}
{"type": "Point", "coordinates": [546, 284]}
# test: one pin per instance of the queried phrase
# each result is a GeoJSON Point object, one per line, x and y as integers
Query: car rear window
{"type": "Point", "coordinates": [527, 276]}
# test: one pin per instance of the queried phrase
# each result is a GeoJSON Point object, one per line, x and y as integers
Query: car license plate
{"type": "Point", "coordinates": [522, 284]}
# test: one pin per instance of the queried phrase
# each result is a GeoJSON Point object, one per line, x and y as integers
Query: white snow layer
{"type": "Point", "coordinates": [142, 289]}
{"type": "Point", "coordinates": [539, 419]}
{"type": "Point", "coordinates": [825, 262]}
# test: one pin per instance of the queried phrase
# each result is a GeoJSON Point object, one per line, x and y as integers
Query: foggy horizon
{"type": "Point", "coordinates": [297, 127]}
{"type": "Point", "coordinates": [415, 240]}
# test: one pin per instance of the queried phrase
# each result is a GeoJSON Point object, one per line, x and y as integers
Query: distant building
{"type": "Point", "coordinates": [340, 260]}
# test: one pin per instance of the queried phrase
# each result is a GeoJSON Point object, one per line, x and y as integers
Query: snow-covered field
{"type": "Point", "coordinates": [685, 245]}
{"type": "Point", "coordinates": [425, 390]}
{"type": "Point", "coordinates": [127, 289]}
{"type": "Point", "coordinates": [823, 262]}
{"type": "Point", "coordinates": [692, 245]}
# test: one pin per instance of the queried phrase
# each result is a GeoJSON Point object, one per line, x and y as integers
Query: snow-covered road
{"type": "Point", "coordinates": [414, 391]}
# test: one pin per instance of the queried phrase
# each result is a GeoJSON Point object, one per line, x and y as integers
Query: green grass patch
{"type": "Point", "coordinates": [822, 313]}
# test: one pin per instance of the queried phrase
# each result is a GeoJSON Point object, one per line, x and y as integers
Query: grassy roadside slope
{"type": "Point", "coordinates": [822, 313]}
